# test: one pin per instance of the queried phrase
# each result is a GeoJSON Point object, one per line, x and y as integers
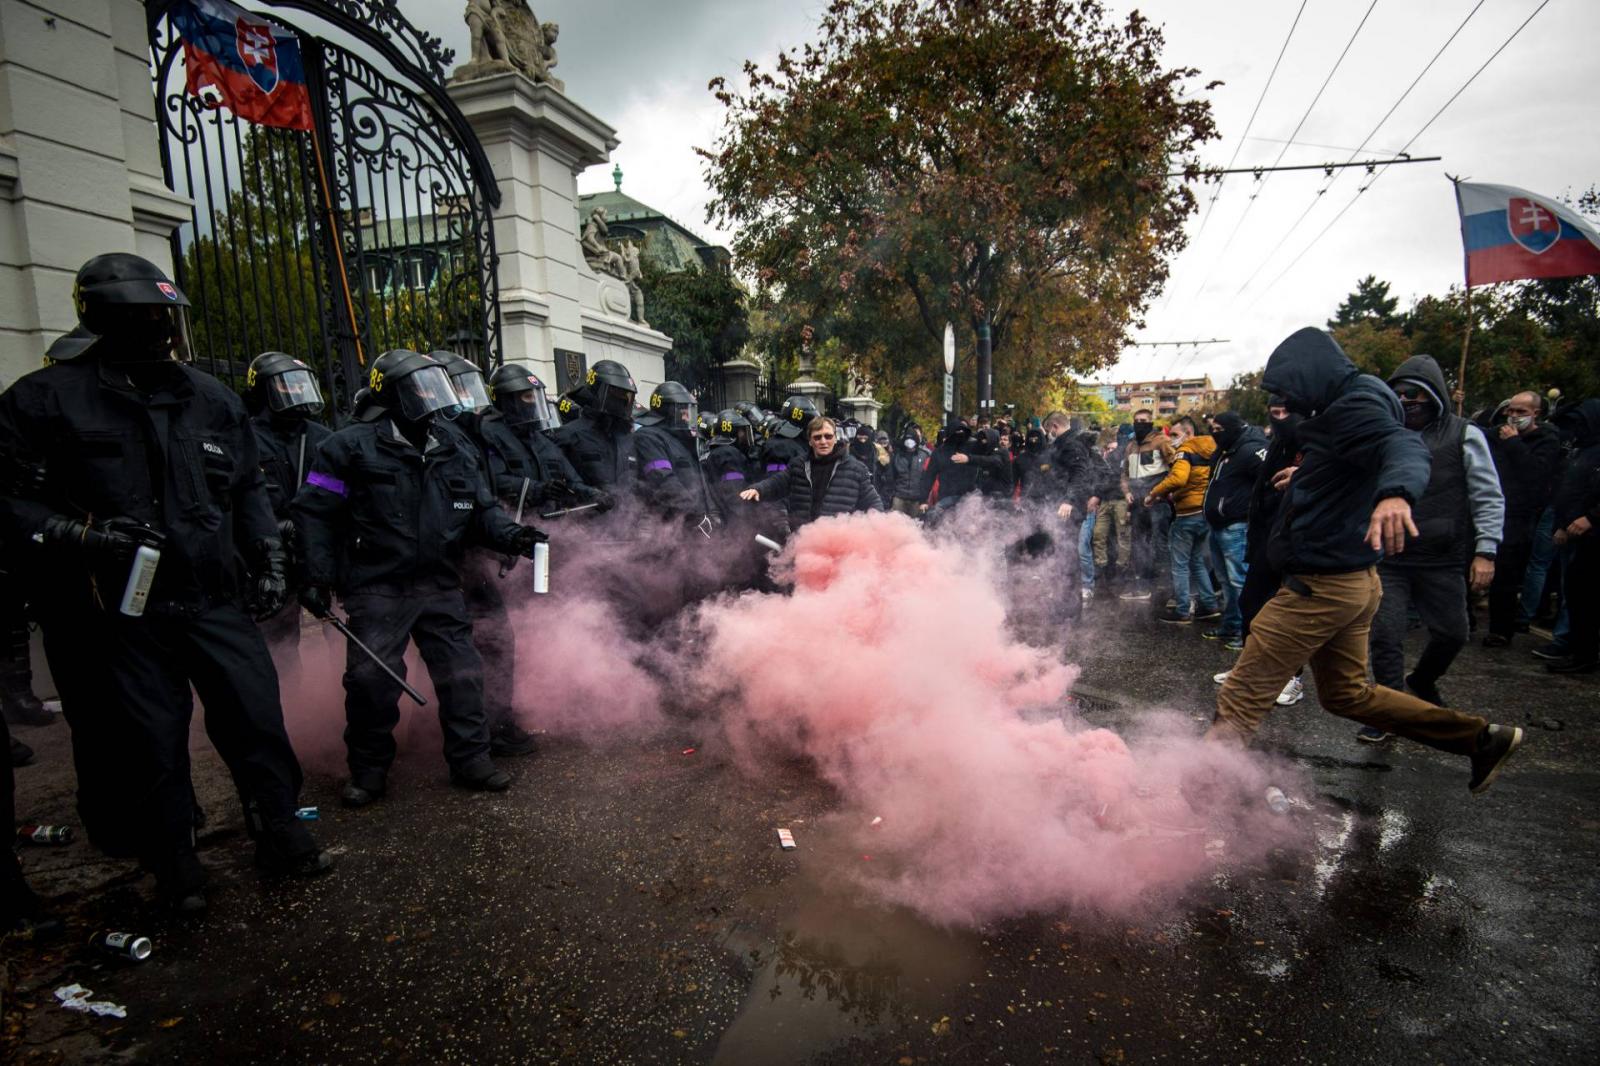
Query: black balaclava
{"type": "Point", "coordinates": [1422, 407]}
{"type": "Point", "coordinates": [1230, 426]}
{"type": "Point", "coordinates": [1035, 440]}
{"type": "Point", "coordinates": [1141, 430]}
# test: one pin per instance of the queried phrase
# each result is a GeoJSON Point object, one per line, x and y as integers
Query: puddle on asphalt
{"type": "Point", "coordinates": [842, 966]}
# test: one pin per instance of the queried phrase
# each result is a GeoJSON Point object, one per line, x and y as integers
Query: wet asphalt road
{"type": "Point", "coordinates": [632, 906]}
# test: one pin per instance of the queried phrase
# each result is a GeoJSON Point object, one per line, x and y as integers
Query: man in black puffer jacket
{"type": "Point", "coordinates": [827, 483]}
{"type": "Point", "coordinates": [1347, 503]}
{"type": "Point", "coordinates": [1577, 516]}
{"type": "Point", "coordinates": [1241, 449]}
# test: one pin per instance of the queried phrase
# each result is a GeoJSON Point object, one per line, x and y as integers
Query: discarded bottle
{"type": "Point", "coordinates": [130, 946]}
{"type": "Point", "coordinates": [44, 834]}
{"type": "Point", "coordinates": [1277, 801]}
{"type": "Point", "coordinates": [308, 814]}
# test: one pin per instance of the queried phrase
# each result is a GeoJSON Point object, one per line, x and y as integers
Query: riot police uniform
{"type": "Point", "coordinates": [385, 516]}
{"type": "Point", "coordinates": [727, 464]}
{"type": "Point", "coordinates": [598, 443]}
{"type": "Point", "coordinates": [670, 480]}
{"type": "Point", "coordinates": [284, 401]}
{"type": "Point", "coordinates": [787, 442]}
{"type": "Point", "coordinates": [144, 451]}
{"type": "Point", "coordinates": [516, 436]}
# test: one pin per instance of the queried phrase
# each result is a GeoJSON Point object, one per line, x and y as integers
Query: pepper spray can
{"type": "Point", "coordinates": [140, 578]}
{"type": "Point", "coordinates": [541, 568]}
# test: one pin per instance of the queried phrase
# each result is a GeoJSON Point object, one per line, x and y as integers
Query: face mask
{"type": "Point", "coordinates": [910, 444]}
{"type": "Point", "coordinates": [1418, 413]}
{"type": "Point", "coordinates": [1522, 424]}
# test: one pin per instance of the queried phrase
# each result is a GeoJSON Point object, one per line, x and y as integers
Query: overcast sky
{"type": "Point", "coordinates": [1530, 119]}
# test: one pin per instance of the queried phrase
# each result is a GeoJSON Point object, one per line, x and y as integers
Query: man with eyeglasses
{"type": "Point", "coordinates": [826, 483]}
{"type": "Point", "coordinates": [1459, 518]}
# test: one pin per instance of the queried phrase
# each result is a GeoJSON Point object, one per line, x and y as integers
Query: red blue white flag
{"type": "Point", "coordinates": [1511, 234]}
{"type": "Point", "coordinates": [252, 62]}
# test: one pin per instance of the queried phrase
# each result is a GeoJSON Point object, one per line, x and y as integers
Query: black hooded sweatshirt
{"type": "Point", "coordinates": [1579, 492]}
{"type": "Point", "coordinates": [1241, 449]}
{"type": "Point", "coordinates": [1356, 451]}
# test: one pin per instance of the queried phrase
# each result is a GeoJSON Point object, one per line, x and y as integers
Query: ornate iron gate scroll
{"type": "Point", "coordinates": [378, 235]}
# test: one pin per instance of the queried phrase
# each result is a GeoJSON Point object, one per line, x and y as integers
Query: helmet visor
{"type": "Point", "coordinates": [294, 391]}
{"type": "Point", "coordinates": [471, 393]}
{"type": "Point", "coordinates": [613, 401]}
{"type": "Point", "coordinates": [527, 407]}
{"type": "Point", "coordinates": [426, 392]}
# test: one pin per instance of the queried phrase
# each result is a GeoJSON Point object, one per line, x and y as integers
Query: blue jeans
{"type": "Point", "coordinates": [1538, 565]}
{"type": "Point", "coordinates": [1227, 558]}
{"type": "Point", "coordinates": [1187, 538]}
{"type": "Point", "coordinates": [1086, 550]}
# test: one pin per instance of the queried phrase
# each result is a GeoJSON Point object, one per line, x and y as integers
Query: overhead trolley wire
{"type": "Point", "coordinates": [1453, 97]}
{"type": "Point", "coordinates": [1333, 177]}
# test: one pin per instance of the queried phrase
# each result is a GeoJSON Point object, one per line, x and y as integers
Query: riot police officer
{"type": "Point", "coordinates": [787, 441]}
{"type": "Point", "coordinates": [385, 516]}
{"type": "Point", "coordinates": [598, 442]}
{"type": "Point", "coordinates": [521, 448]}
{"type": "Point", "coordinates": [727, 464]}
{"type": "Point", "coordinates": [149, 455]}
{"type": "Point", "coordinates": [284, 402]}
{"type": "Point", "coordinates": [671, 481]}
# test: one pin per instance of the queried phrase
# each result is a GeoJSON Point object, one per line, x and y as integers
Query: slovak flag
{"type": "Point", "coordinates": [252, 62]}
{"type": "Point", "coordinates": [1511, 234]}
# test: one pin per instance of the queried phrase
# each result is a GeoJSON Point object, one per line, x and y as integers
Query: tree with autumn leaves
{"type": "Point", "coordinates": [932, 161]}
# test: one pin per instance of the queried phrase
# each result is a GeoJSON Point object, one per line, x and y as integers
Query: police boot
{"type": "Point", "coordinates": [508, 739]}
{"type": "Point", "coordinates": [363, 788]}
{"type": "Point", "coordinates": [21, 754]}
{"type": "Point", "coordinates": [480, 777]}
{"type": "Point", "coordinates": [180, 882]}
{"type": "Point", "coordinates": [291, 854]}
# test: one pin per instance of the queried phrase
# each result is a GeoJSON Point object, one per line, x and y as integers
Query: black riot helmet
{"type": "Point", "coordinates": [412, 385]}
{"type": "Point", "coordinates": [127, 299]}
{"type": "Point", "coordinates": [364, 406]}
{"type": "Point", "coordinates": [797, 413]}
{"type": "Point", "coordinates": [467, 379]}
{"type": "Point", "coordinates": [283, 386]}
{"type": "Point", "coordinates": [733, 428]}
{"type": "Point", "coordinates": [753, 414]}
{"type": "Point", "coordinates": [673, 407]}
{"type": "Point", "coordinates": [612, 389]}
{"type": "Point", "coordinates": [520, 396]}
{"type": "Point", "coordinates": [572, 404]}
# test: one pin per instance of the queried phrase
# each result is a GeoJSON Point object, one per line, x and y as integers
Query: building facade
{"type": "Point", "coordinates": [1168, 398]}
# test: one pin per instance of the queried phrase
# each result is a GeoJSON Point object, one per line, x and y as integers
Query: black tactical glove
{"type": "Point", "coordinates": [289, 534]}
{"type": "Point", "coordinates": [523, 541]}
{"type": "Point", "coordinates": [560, 490]}
{"type": "Point", "coordinates": [602, 500]}
{"type": "Point", "coordinates": [117, 538]}
{"type": "Point", "coordinates": [318, 599]}
{"type": "Point", "coordinates": [269, 589]}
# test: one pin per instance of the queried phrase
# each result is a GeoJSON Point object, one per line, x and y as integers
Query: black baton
{"type": "Point", "coordinates": [333, 620]}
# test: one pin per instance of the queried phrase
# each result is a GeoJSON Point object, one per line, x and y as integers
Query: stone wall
{"type": "Point", "coordinates": [80, 168]}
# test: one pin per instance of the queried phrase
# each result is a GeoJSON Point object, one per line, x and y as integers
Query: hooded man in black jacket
{"type": "Point", "coordinates": [1459, 516]}
{"type": "Point", "coordinates": [1346, 505]}
{"type": "Point", "coordinates": [1241, 449]}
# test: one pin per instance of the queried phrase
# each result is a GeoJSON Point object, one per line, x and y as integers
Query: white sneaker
{"type": "Point", "coordinates": [1220, 678]}
{"type": "Point", "coordinates": [1088, 594]}
{"type": "Point", "coordinates": [1292, 693]}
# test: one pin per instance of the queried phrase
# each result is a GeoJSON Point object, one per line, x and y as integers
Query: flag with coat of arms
{"type": "Point", "coordinates": [1511, 234]}
{"type": "Point", "coordinates": [252, 62]}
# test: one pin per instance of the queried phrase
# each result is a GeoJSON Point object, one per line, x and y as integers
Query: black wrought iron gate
{"type": "Point", "coordinates": [378, 234]}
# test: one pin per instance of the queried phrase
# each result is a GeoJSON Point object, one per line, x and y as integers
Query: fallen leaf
{"type": "Point", "coordinates": [333, 999]}
{"type": "Point", "coordinates": [680, 1033]}
{"type": "Point", "coordinates": [168, 1023]}
{"type": "Point", "coordinates": [942, 1026]}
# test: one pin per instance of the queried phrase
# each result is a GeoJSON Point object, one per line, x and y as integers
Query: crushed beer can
{"type": "Point", "coordinates": [44, 834]}
{"type": "Point", "coordinates": [308, 814]}
{"type": "Point", "coordinates": [786, 840]}
{"type": "Point", "coordinates": [130, 946]}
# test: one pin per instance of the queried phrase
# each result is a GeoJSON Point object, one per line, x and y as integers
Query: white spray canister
{"type": "Point", "coordinates": [140, 578]}
{"type": "Point", "coordinates": [541, 567]}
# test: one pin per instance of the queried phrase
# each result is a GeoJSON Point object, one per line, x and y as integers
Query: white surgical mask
{"type": "Point", "coordinates": [910, 443]}
{"type": "Point", "coordinates": [1520, 424]}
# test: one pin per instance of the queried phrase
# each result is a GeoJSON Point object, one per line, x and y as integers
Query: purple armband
{"type": "Point", "coordinates": [323, 481]}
